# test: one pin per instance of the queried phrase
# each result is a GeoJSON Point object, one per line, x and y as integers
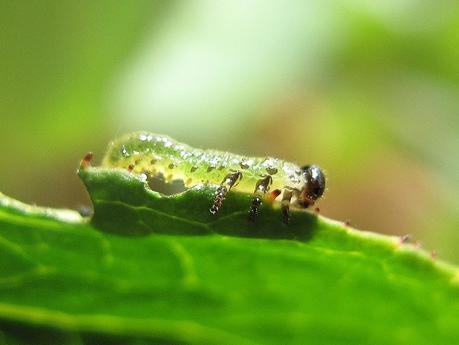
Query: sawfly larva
{"type": "Point", "coordinates": [265, 177]}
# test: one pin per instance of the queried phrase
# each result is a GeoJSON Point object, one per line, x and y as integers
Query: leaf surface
{"type": "Point", "coordinates": [161, 269]}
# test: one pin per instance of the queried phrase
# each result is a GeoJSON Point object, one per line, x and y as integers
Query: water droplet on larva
{"type": "Point", "coordinates": [247, 163]}
{"type": "Point", "coordinates": [124, 151]}
{"type": "Point", "coordinates": [142, 137]}
{"type": "Point", "coordinates": [184, 154]}
{"type": "Point", "coordinates": [294, 179]}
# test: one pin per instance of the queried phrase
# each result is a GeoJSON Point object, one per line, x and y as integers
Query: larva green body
{"type": "Point", "coordinates": [159, 155]}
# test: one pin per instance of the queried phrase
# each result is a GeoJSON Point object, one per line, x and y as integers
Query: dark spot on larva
{"type": "Point", "coordinates": [137, 161]}
{"type": "Point", "coordinates": [271, 171]}
{"type": "Point", "coordinates": [171, 166]}
{"type": "Point", "coordinates": [153, 161]}
{"type": "Point", "coordinates": [221, 167]}
{"type": "Point", "coordinates": [188, 181]}
{"type": "Point", "coordinates": [210, 168]}
{"type": "Point", "coordinates": [298, 172]}
{"type": "Point", "coordinates": [131, 167]}
{"type": "Point", "coordinates": [274, 194]}
{"type": "Point", "coordinates": [243, 165]}
{"type": "Point", "coordinates": [193, 169]}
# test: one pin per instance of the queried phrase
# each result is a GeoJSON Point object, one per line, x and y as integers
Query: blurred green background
{"type": "Point", "coordinates": [367, 90]}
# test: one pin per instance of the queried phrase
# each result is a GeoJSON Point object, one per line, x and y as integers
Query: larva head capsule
{"type": "Point", "coordinates": [314, 185]}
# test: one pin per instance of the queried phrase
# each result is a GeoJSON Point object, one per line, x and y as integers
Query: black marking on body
{"type": "Point", "coordinates": [271, 171]}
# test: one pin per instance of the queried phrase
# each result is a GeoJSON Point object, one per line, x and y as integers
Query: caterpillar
{"type": "Point", "coordinates": [149, 154]}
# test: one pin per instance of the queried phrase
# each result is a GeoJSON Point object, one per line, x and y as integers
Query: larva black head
{"type": "Point", "coordinates": [314, 185]}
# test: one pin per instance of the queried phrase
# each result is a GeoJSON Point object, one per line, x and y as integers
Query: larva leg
{"type": "Point", "coordinates": [261, 188]}
{"type": "Point", "coordinates": [285, 205]}
{"type": "Point", "coordinates": [228, 182]}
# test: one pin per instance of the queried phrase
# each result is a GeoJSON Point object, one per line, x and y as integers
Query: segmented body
{"type": "Point", "coordinates": [149, 155]}
{"type": "Point", "coordinates": [152, 154]}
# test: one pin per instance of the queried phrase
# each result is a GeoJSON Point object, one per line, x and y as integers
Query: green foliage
{"type": "Point", "coordinates": [157, 269]}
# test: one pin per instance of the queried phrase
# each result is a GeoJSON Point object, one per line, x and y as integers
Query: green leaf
{"type": "Point", "coordinates": [161, 269]}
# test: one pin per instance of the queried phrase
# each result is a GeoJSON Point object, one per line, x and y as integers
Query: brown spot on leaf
{"type": "Point", "coordinates": [86, 161]}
